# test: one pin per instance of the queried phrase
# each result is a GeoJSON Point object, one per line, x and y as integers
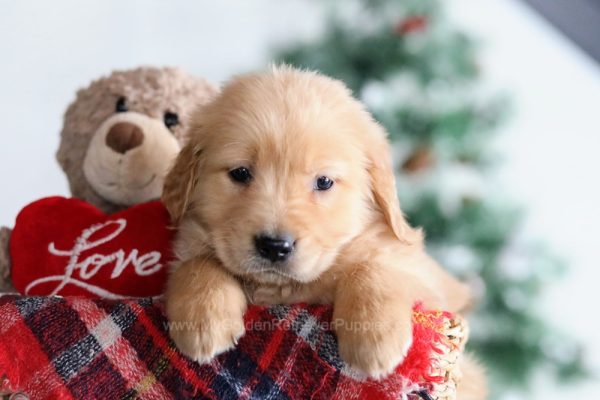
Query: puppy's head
{"type": "Point", "coordinates": [282, 171]}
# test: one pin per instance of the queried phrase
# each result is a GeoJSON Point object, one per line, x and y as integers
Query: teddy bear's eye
{"type": "Point", "coordinates": [121, 105]}
{"type": "Point", "coordinates": [171, 119]}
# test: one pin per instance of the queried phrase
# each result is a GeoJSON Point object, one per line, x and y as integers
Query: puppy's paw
{"type": "Point", "coordinates": [374, 347]}
{"type": "Point", "coordinates": [206, 336]}
{"type": "Point", "coordinates": [205, 307]}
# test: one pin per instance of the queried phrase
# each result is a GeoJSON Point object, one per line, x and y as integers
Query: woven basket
{"type": "Point", "coordinates": [446, 365]}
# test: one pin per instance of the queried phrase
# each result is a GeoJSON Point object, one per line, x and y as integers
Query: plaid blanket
{"type": "Point", "coordinates": [74, 348]}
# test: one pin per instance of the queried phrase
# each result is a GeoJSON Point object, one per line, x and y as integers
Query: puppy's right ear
{"type": "Point", "coordinates": [181, 181]}
{"type": "Point", "coordinates": [383, 185]}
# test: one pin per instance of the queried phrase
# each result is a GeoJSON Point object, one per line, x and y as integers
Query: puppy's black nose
{"type": "Point", "coordinates": [274, 248]}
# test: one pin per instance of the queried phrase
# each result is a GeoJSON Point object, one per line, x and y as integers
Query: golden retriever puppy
{"type": "Point", "coordinates": [286, 193]}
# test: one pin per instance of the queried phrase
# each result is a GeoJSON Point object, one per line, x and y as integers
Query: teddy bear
{"type": "Point", "coordinates": [119, 137]}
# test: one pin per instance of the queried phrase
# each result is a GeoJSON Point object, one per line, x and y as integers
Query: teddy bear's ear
{"type": "Point", "coordinates": [181, 181]}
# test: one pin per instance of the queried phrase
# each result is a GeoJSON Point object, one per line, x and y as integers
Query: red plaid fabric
{"type": "Point", "coordinates": [74, 348]}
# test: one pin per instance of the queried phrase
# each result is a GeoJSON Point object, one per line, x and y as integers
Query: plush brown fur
{"type": "Point", "coordinates": [353, 246]}
{"type": "Point", "coordinates": [5, 283]}
{"type": "Point", "coordinates": [149, 92]}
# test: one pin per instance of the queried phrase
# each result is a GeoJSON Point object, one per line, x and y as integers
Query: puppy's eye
{"type": "Point", "coordinates": [323, 183]}
{"type": "Point", "coordinates": [171, 119]}
{"type": "Point", "coordinates": [121, 105]}
{"type": "Point", "coordinates": [241, 175]}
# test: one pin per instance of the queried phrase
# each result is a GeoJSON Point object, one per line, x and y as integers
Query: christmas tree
{"type": "Point", "coordinates": [420, 78]}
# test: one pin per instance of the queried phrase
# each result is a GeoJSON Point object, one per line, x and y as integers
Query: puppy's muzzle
{"type": "Point", "coordinates": [274, 248]}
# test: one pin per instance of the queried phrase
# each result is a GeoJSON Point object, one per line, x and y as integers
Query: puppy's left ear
{"type": "Point", "coordinates": [181, 181]}
{"type": "Point", "coordinates": [383, 186]}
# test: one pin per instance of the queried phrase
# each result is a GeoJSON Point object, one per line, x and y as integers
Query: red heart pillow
{"type": "Point", "coordinates": [69, 247]}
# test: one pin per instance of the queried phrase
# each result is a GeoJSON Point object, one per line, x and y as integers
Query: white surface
{"type": "Point", "coordinates": [50, 48]}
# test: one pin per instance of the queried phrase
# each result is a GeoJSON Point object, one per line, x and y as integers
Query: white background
{"type": "Point", "coordinates": [50, 48]}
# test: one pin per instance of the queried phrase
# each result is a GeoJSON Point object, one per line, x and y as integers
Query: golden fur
{"type": "Point", "coordinates": [354, 248]}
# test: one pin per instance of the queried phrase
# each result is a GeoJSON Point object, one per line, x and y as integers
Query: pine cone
{"type": "Point", "coordinates": [420, 159]}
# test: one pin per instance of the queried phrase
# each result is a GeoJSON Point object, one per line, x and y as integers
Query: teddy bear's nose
{"type": "Point", "coordinates": [124, 136]}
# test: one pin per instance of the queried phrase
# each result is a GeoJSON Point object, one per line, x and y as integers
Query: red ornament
{"type": "Point", "coordinates": [412, 24]}
{"type": "Point", "coordinates": [69, 247]}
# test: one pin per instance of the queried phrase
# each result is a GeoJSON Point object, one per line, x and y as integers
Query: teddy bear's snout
{"type": "Point", "coordinates": [124, 136]}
